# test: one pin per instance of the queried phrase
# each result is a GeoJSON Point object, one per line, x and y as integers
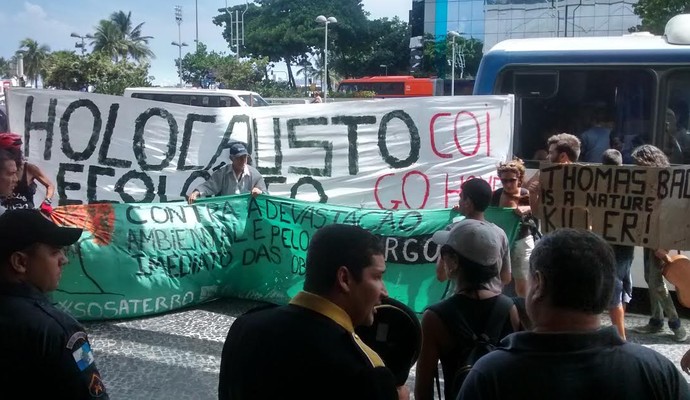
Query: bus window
{"type": "Point", "coordinates": [347, 87]}
{"type": "Point", "coordinates": [391, 88]}
{"type": "Point", "coordinates": [166, 98]}
{"type": "Point", "coordinates": [181, 99]}
{"type": "Point", "coordinates": [622, 96]}
{"type": "Point", "coordinates": [676, 137]}
{"type": "Point", "coordinates": [144, 96]}
{"type": "Point", "coordinates": [253, 100]}
{"type": "Point", "coordinates": [226, 101]}
{"type": "Point", "coordinates": [535, 84]}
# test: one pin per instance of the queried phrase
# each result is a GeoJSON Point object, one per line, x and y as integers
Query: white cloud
{"type": "Point", "coordinates": [34, 10]}
{"type": "Point", "coordinates": [33, 21]}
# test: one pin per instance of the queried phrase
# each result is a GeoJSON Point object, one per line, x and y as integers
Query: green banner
{"type": "Point", "coordinates": [142, 259]}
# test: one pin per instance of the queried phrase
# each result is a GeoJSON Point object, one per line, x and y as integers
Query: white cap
{"type": "Point", "coordinates": [478, 241]}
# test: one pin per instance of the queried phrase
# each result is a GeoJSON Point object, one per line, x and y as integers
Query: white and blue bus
{"type": "Point", "coordinates": [642, 82]}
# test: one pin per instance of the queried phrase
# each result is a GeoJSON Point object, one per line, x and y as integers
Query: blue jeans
{"type": "Point", "coordinates": [622, 285]}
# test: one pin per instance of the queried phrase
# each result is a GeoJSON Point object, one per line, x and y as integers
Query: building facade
{"type": "Point", "coordinates": [492, 21]}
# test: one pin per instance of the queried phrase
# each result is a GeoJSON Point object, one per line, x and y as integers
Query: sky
{"type": "Point", "coordinates": [51, 22]}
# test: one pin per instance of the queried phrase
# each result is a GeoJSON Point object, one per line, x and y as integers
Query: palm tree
{"type": "Point", "coordinates": [137, 45]}
{"type": "Point", "coordinates": [333, 76]}
{"type": "Point", "coordinates": [5, 70]}
{"type": "Point", "coordinates": [109, 40]}
{"type": "Point", "coordinates": [116, 38]}
{"type": "Point", "coordinates": [309, 72]}
{"type": "Point", "coordinates": [35, 57]}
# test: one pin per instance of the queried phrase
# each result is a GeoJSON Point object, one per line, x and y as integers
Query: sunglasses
{"type": "Point", "coordinates": [508, 180]}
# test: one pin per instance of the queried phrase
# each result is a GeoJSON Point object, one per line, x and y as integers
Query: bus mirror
{"type": "Point", "coordinates": [535, 84]}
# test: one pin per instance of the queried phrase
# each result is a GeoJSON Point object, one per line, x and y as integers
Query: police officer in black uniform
{"type": "Point", "coordinates": [44, 352]}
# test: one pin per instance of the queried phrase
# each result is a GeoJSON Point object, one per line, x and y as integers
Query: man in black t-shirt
{"type": "Point", "coordinates": [567, 355]}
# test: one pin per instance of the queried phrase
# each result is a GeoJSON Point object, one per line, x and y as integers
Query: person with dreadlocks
{"type": "Point", "coordinates": [23, 195]}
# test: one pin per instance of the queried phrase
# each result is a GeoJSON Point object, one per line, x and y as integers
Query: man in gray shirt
{"type": "Point", "coordinates": [236, 178]}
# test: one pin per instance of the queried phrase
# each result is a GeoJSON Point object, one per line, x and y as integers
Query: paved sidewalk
{"type": "Point", "coordinates": [177, 356]}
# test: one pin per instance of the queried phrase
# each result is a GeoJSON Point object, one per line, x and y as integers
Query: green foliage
{"type": "Point", "coordinates": [438, 53]}
{"type": "Point", "coordinates": [270, 88]}
{"type": "Point", "coordinates": [116, 38]}
{"type": "Point", "coordinates": [121, 76]}
{"type": "Point", "coordinates": [385, 42]}
{"type": "Point", "coordinates": [656, 13]}
{"type": "Point", "coordinates": [196, 66]}
{"type": "Point", "coordinates": [5, 70]}
{"type": "Point", "coordinates": [35, 57]}
{"type": "Point", "coordinates": [285, 30]}
{"type": "Point", "coordinates": [65, 70]}
{"type": "Point", "coordinates": [233, 73]}
{"type": "Point", "coordinates": [68, 71]}
{"type": "Point", "coordinates": [362, 94]}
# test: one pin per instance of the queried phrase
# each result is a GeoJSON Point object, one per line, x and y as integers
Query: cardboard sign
{"type": "Point", "coordinates": [628, 205]}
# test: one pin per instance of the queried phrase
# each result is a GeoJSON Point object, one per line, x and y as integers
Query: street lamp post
{"type": "Point", "coordinates": [81, 45]}
{"type": "Point", "coordinates": [325, 21]}
{"type": "Point", "coordinates": [179, 60]}
{"type": "Point", "coordinates": [453, 34]}
{"type": "Point", "coordinates": [384, 66]}
{"type": "Point", "coordinates": [179, 43]}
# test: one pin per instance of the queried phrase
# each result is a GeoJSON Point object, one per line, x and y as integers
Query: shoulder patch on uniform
{"type": "Point", "coordinates": [74, 338]}
{"type": "Point", "coordinates": [83, 356]}
{"type": "Point", "coordinates": [96, 387]}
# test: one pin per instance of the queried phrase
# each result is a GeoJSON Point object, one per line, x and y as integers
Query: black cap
{"type": "Point", "coordinates": [20, 229]}
{"type": "Point", "coordinates": [238, 149]}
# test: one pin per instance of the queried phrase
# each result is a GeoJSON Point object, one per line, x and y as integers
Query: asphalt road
{"type": "Point", "coordinates": [177, 355]}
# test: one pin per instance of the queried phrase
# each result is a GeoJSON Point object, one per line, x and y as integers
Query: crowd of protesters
{"type": "Point", "coordinates": [549, 344]}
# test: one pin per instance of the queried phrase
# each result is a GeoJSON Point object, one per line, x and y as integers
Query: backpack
{"type": "Point", "coordinates": [482, 343]}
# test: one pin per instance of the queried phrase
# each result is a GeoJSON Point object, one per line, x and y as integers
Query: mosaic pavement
{"type": "Point", "coordinates": [177, 355]}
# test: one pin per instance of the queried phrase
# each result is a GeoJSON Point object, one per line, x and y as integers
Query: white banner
{"type": "Point", "coordinates": [394, 153]}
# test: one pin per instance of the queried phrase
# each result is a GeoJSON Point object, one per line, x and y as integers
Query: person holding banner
{"type": "Point", "coordinates": [8, 175]}
{"type": "Point", "coordinates": [236, 178]}
{"type": "Point", "coordinates": [564, 148]}
{"type": "Point", "coordinates": [622, 284]}
{"type": "Point", "coordinates": [22, 196]}
{"type": "Point", "coordinates": [46, 353]}
{"type": "Point", "coordinates": [475, 197]}
{"type": "Point", "coordinates": [659, 297]}
{"type": "Point", "coordinates": [308, 349]}
{"type": "Point", "coordinates": [513, 195]}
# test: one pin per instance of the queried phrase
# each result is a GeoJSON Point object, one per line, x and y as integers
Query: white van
{"type": "Point", "coordinates": [198, 97]}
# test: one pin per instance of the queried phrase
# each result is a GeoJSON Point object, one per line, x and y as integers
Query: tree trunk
{"type": "Point", "coordinates": [291, 77]}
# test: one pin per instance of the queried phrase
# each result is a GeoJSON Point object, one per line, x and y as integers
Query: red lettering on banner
{"type": "Point", "coordinates": [455, 134]}
{"type": "Point", "coordinates": [426, 188]}
{"type": "Point", "coordinates": [432, 135]}
{"type": "Point", "coordinates": [488, 136]}
{"type": "Point", "coordinates": [405, 190]}
{"type": "Point", "coordinates": [493, 182]}
{"type": "Point", "coordinates": [456, 139]}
